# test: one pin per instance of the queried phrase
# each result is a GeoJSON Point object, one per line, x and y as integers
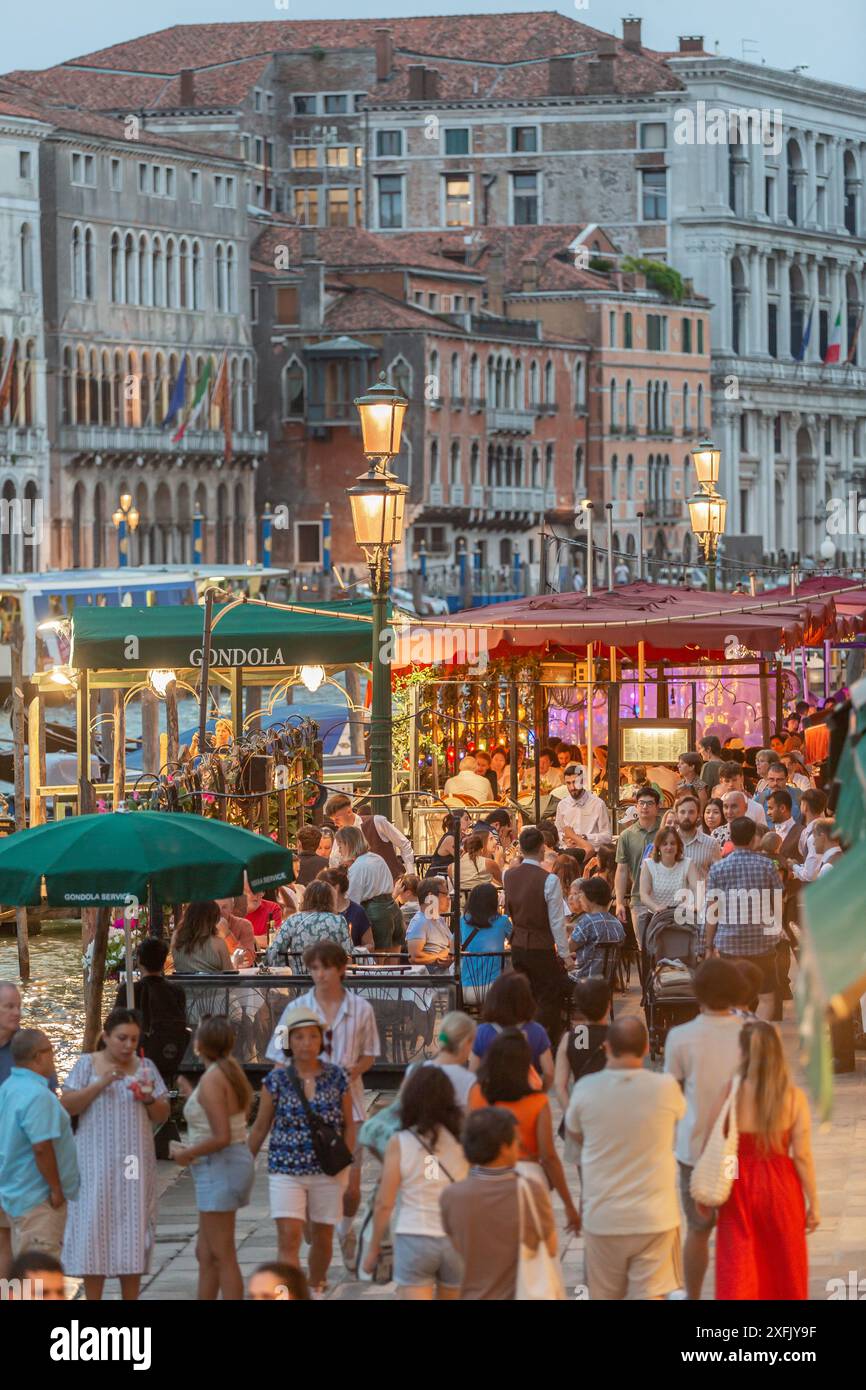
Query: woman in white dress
{"type": "Point", "coordinates": [118, 1098]}
{"type": "Point", "coordinates": [665, 873]}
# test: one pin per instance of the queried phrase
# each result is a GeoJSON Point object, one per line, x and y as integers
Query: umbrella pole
{"type": "Point", "coordinates": [127, 945]}
{"type": "Point", "coordinates": [590, 662]}
{"type": "Point", "coordinates": [641, 676]}
{"type": "Point", "coordinates": [96, 983]}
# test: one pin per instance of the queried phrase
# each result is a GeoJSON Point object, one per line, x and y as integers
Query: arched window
{"type": "Point", "coordinates": [88, 262]}
{"type": "Point", "coordinates": [455, 374]}
{"type": "Point", "coordinates": [117, 389]}
{"type": "Point", "coordinates": [686, 408]}
{"type": "Point", "coordinates": [549, 389]}
{"type": "Point", "coordinates": [131, 388]}
{"type": "Point", "coordinates": [183, 296]}
{"type": "Point", "coordinates": [25, 257]}
{"type": "Point", "coordinates": [434, 462]}
{"type": "Point", "coordinates": [579, 485]}
{"type": "Point", "coordinates": [220, 276]}
{"type": "Point", "coordinates": [533, 383]}
{"type": "Point", "coordinates": [247, 393]}
{"type": "Point", "coordinates": [144, 391]}
{"type": "Point", "coordinates": [497, 401]}
{"type": "Point", "coordinates": [93, 388]}
{"type": "Point", "coordinates": [649, 408]}
{"type": "Point", "coordinates": [400, 374]}
{"type": "Point", "coordinates": [508, 397]}
{"type": "Point", "coordinates": [491, 381]}
{"type": "Point", "coordinates": [171, 297]}
{"type": "Point", "coordinates": [81, 416]}
{"type": "Point", "coordinates": [98, 526]}
{"type": "Point", "coordinates": [145, 289]}
{"type": "Point", "coordinates": [157, 273]}
{"type": "Point", "coordinates": [130, 278]}
{"type": "Point", "coordinates": [548, 468]}
{"type": "Point", "coordinates": [666, 408]}
{"type": "Point", "coordinates": [629, 478]}
{"type": "Point", "coordinates": [614, 406]}
{"type": "Point", "coordinates": [700, 420]}
{"type": "Point", "coordinates": [31, 499]}
{"type": "Point", "coordinates": [196, 282]}
{"type": "Point", "coordinates": [67, 388]}
{"type": "Point", "coordinates": [628, 407]}
{"type": "Point", "coordinates": [434, 384]}
{"type": "Point", "coordinates": [105, 416]}
{"type": "Point", "coordinates": [231, 280]}
{"type": "Point", "coordinates": [579, 386]}
{"type": "Point", "coordinates": [475, 464]}
{"type": "Point", "coordinates": [77, 263]}
{"type": "Point", "coordinates": [519, 402]}
{"type": "Point", "coordinates": [536, 468]}
{"type": "Point", "coordinates": [159, 385]}
{"type": "Point", "coordinates": [614, 479]}
{"type": "Point", "coordinates": [116, 271]}
{"type": "Point", "coordinates": [30, 386]}
{"type": "Point", "coordinates": [474, 378]}
{"type": "Point", "coordinates": [454, 477]}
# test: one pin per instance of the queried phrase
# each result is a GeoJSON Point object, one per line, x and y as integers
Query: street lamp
{"type": "Point", "coordinates": [126, 519]}
{"type": "Point", "coordinates": [378, 502]}
{"type": "Point", "coordinates": [707, 508]}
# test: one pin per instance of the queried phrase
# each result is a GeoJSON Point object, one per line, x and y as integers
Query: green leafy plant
{"type": "Point", "coordinates": [600, 263]}
{"type": "Point", "coordinates": [660, 277]}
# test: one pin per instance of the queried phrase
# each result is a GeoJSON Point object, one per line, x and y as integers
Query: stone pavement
{"type": "Point", "coordinates": [836, 1250]}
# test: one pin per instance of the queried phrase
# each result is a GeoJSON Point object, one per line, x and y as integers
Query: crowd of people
{"type": "Point", "coordinates": [469, 1155]}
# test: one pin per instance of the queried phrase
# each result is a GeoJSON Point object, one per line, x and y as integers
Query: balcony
{"type": "Point", "coordinates": [107, 439]}
{"type": "Point", "coordinates": [458, 402]}
{"type": "Point", "coordinates": [436, 495]}
{"type": "Point", "coordinates": [476, 404]}
{"type": "Point", "coordinates": [27, 440]}
{"type": "Point", "coordinates": [664, 509]}
{"type": "Point", "coordinates": [516, 499]}
{"type": "Point", "coordinates": [510, 421]}
{"type": "Point", "coordinates": [456, 495]}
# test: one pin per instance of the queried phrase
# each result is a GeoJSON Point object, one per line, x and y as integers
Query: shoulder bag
{"type": "Point", "coordinates": [539, 1277]}
{"type": "Point", "coordinates": [332, 1152]}
{"type": "Point", "coordinates": [713, 1174]}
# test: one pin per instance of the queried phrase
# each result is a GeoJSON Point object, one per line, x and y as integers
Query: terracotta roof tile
{"type": "Point", "coordinates": [228, 58]}
{"type": "Point", "coordinates": [360, 310]}
{"type": "Point", "coordinates": [354, 247]}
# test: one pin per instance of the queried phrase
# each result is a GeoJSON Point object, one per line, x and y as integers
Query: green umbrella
{"type": "Point", "coordinates": [93, 861]}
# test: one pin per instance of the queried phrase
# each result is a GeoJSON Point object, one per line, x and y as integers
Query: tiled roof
{"type": "Point", "coordinates": [489, 56]}
{"type": "Point", "coordinates": [353, 247]}
{"type": "Point", "coordinates": [16, 100]}
{"type": "Point", "coordinates": [545, 247]}
{"type": "Point", "coordinates": [364, 310]}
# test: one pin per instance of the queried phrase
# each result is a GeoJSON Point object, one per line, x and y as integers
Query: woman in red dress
{"type": "Point", "coordinates": [761, 1239]}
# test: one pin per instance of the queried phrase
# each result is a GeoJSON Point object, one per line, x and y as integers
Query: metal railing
{"type": "Point", "coordinates": [111, 439]}
{"type": "Point", "coordinates": [408, 1005]}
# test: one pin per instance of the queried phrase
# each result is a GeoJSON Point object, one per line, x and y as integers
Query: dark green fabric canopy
{"type": "Point", "coordinates": [116, 639]}
{"type": "Point", "coordinates": [91, 861]}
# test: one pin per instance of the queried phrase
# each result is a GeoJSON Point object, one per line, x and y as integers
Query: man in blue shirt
{"type": "Point", "coordinates": [38, 1163]}
{"type": "Point", "coordinates": [744, 910]}
{"type": "Point", "coordinates": [777, 775]}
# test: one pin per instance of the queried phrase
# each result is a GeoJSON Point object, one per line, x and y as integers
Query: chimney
{"type": "Point", "coordinates": [560, 77]}
{"type": "Point", "coordinates": [187, 87]}
{"type": "Point", "coordinates": [631, 34]}
{"type": "Point", "coordinates": [600, 73]}
{"type": "Point", "coordinates": [691, 43]}
{"type": "Point", "coordinates": [416, 81]}
{"type": "Point", "coordinates": [496, 282]}
{"type": "Point", "coordinates": [308, 243]}
{"type": "Point", "coordinates": [529, 269]}
{"type": "Point", "coordinates": [311, 296]}
{"type": "Point", "coordinates": [384, 54]}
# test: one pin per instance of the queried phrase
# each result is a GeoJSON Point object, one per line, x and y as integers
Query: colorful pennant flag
{"type": "Point", "coordinates": [197, 403]}
{"type": "Point", "coordinates": [807, 333]}
{"type": "Point", "coordinates": [834, 346]}
{"type": "Point", "coordinates": [222, 398]}
{"type": "Point", "coordinates": [178, 396]}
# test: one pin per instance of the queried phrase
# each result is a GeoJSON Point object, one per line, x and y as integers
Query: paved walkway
{"type": "Point", "coordinates": [836, 1249]}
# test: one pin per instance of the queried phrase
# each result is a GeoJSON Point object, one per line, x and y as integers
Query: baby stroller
{"type": "Point", "coordinates": [670, 954]}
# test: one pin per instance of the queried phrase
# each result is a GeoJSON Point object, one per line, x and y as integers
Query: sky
{"type": "Point", "coordinates": [830, 37]}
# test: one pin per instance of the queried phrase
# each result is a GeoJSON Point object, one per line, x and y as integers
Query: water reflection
{"type": "Point", "coordinates": [53, 1000]}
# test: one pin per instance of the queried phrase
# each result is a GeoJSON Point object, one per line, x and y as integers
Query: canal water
{"type": "Point", "coordinates": [53, 1000]}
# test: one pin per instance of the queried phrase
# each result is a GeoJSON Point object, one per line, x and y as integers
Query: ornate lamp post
{"type": "Point", "coordinates": [378, 504]}
{"type": "Point", "coordinates": [707, 508]}
{"type": "Point", "coordinates": [126, 519]}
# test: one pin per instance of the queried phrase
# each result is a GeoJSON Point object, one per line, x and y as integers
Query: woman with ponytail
{"type": "Point", "coordinates": [222, 1165]}
{"type": "Point", "coordinates": [761, 1237]}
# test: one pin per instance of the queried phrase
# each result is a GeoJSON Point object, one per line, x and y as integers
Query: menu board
{"type": "Point", "coordinates": [653, 740]}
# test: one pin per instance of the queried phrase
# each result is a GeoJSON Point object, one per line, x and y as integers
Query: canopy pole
{"type": "Point", "coordinates": [513, 702]}
{"type": "Point", "coordinates": [36, 750]}
{"type": "Point", "coordinates": [765, 702]}
{"type": "Point", "coordinates": [613, 738]}
{"type": "Point", "coordinates": [171, 725]}
{"type": "Point", "coordinates": [590, 558]}
{"type": "Point", "coordinates": [640, 541]}
{"type": "Point", "coordinates": [827, 660]}
{"type": "Point", "coordinates": [613, 667]}
{"type": "Point", "coordinates": [97, 918]}
{"type": "Point", "coordinates": [127, 948]}
{"type": "Point", "coordinates": [20, 788]}
{"type": "Point", "coordinates": [590, 663]}
{"type": "Point", "coordinates": [82, 739]}
{"type": "Point", "coordinates": [119, 778]}
{"type": "Point", "coordinates": [609, 510]}
{"type": "Point", "coordinates": [641, 677]}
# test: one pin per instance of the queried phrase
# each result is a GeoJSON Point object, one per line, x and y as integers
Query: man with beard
{"type": "Point", "coordinates": [581, 817]}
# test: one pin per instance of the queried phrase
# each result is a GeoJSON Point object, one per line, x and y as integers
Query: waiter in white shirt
{"type": "Point", "coordinates": [581, 817]}
{"type": "Point", "coordinates": [391, 841]}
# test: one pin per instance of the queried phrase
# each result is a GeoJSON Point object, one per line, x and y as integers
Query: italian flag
{"type": "Point", "coordinates": [834, 347]}
{"type": "Point", "coordinates": [197, 400]}
{"type": "Point", "coordinates": [222, 399]}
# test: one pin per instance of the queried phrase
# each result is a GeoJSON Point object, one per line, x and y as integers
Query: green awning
{"type": "Point", "coordinates": [253, 636]}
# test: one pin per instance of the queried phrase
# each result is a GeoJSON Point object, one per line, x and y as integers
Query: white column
{"type": "Point", "coordinates": [783, 271]}
{"type": "Point", "coordinates": [766, 480]}
{"type": "Point", "coordinates": [835, 185]}
{"type": "Point", "coordinates": [810, 198]}
{"type": "Point", "coordinates": [821, 482]}
{"type": "Point", "coordinates": [730, 486]}
{"type": "Point", "coordinates": [756, 181]}
{"type": "Point", "coordinates": [723, 304]}
{"type": "Point", "coordinates": [813, 350]}
{"type": "Point", "coordinates": [790, 502]}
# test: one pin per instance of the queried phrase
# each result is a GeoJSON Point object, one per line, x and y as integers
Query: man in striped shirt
{"type": "Point", "coordinates": [698, 847]}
